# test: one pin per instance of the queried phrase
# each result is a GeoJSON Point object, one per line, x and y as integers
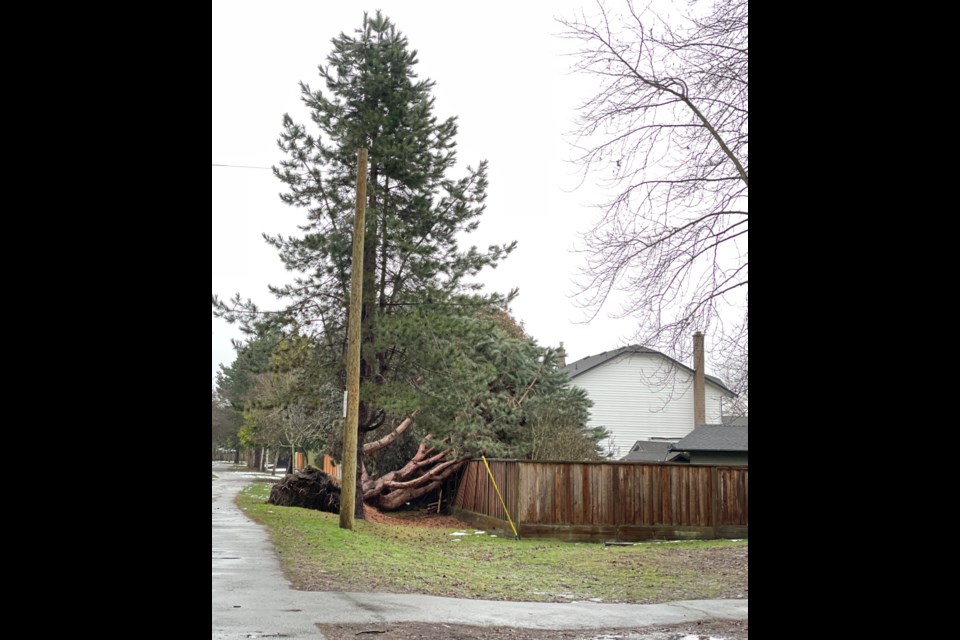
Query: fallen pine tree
{"type": "Point", "coordinates": [424, 473]}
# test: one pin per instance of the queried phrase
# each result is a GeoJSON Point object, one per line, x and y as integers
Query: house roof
{"type": "Point", "coordinates": [734, 421]}
{"type": "Point", "coordinates": [714, 437]}
{"type": "Point", "coordinates": [583, 365]}
{"type": "Point", "coordinates": [648, 451]}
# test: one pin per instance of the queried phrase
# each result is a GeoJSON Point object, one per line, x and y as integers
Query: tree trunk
{"type": "Point", "coordinates": [236, 456]}
{"type": "Point", "coordinates": [376, 445]}
{"type": "Point", "coordinates": [425, 472]}
{"type": "Point", "coordinates": [276, 461]}
{"type": "Point", "coordinates": [359, 497]}
{"type": "Point", "coordinates": [290, 464]}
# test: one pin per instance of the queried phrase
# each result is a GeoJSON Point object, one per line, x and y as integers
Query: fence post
{"type": "Point", "coordinates": [715, 500]}
{"type": "Point", "coordinates": [616, 501]}
{"type": "Point", "coordinates": [516, 491]}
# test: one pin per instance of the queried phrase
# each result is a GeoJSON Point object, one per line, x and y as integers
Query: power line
{"type": "Point", "coordinates": [240, 166]}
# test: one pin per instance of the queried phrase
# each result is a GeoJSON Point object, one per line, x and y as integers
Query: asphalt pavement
{"type": "Point", "coordinates": [252, 598]}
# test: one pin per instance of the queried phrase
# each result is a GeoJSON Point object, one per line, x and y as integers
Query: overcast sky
{"type": "Point", "coordinates": [498, 67]}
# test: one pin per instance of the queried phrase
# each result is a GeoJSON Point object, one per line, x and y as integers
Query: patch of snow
{"type": "Point", "coordinates": [256, 475]}
{"type": "Point", "coordinates": [459, 533]}
{"type": "Point", "coordinates": [479, 533]}
{"type": "Point", "coordinates": [493, 535]}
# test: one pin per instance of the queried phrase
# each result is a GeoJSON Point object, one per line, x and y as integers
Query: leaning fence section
{"type": "Point", "coordinates": [607, 501]}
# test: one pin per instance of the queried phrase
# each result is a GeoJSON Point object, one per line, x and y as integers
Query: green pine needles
{"type": "Point", "coordinates": [432, 342]}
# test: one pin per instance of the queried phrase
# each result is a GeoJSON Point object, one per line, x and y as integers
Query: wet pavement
{"type": "Point", "coordinates": [252, 599]}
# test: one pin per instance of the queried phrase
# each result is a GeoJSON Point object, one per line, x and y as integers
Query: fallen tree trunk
{"type": "Point", "coordinates": [425, 472]}
{"type": "Point", "coordinates": [376, 445]}
{"type": "Point", "coordinates": [311, 488]}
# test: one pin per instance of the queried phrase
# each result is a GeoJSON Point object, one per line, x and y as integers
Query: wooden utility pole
{"type": "Point", "coordinates": [348, 480]}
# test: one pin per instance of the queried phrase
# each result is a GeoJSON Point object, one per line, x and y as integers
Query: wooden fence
{"type": "Point", "coordinates": [606, 500]}
{"type": "Point", "coordinates": [331, 468]}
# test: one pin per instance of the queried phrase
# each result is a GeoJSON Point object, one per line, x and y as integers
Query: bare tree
{"type": "Point", "coordinates": [290, 421]}
{"type": "Point", "coordinates": [734, 370]}
{"type": "Point", "coordinates": [666, 132]}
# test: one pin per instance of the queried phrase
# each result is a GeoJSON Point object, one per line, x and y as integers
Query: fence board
{"type": "Point", "coordinates": [733, 496]}
{"type": "Point", "coordinates": [626, 501]}
{"type": "Point", "coordinates": [702, 487]}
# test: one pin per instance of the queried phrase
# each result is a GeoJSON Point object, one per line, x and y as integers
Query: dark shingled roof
{"type": "Point", "coordinates": [714, 437]}
{"type": "Point", "coordinates": [583, 365]}
{"type": "Point", "coordinates": [734, 421]}
{"type": "Point", "coordinates": [648, 451]}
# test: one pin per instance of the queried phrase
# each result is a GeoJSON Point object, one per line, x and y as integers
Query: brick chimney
{"type": "Point", "coordinates": [561, 356]}
{"type": "Point", "coordinates": [699, 381]}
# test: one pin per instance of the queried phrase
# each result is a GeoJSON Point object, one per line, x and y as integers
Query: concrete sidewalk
{"type": "Point", "coordinates": [251, 597]}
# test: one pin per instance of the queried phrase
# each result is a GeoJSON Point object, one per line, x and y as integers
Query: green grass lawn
{"type": "Point", "coordinates": [317, 555]}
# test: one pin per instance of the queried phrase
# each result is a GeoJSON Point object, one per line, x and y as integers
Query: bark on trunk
{"type": "Point", "coordinates": [358, 494]}
{"type": "Point", "coordinates": [424, 473]}
{"type": "Point", "coordinates": [376, 445]}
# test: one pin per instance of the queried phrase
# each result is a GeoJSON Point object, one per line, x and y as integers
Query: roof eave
{"type": "Point", "coordinates": [633, 349]}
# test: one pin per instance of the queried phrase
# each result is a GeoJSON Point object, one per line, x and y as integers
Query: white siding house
{"type": "Point", "coordinates": [641, 394]}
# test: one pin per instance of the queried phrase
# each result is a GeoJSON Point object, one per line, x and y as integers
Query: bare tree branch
{"type": "Point", "coordinates": [666, 135]}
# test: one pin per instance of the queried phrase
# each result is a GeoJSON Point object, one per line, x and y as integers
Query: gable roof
{"type": "Point", "coordinates": [583, 365]}
{"type": "Point", "coordinates": [714, 437]}
{"type": "Point", "coordinates": [648, 451]}
{"type": "Point", "coordinates": [735, 421]}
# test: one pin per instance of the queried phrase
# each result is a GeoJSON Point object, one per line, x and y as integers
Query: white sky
{"type": "Point", "coordinates": [497, 67]}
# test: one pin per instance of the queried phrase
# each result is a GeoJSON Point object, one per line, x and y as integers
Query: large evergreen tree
{"type": "Point", "coordinates": [226, 423]}
{"type": "Point", "coordinates": [414, 211]}
{"type": "Point", "coordinates": [435, 351]}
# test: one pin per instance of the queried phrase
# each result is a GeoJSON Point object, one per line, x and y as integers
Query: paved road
{"type": "Point", "coordinates": [252, 599]}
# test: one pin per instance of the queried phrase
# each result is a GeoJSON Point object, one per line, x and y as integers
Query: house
{"type": "Point", "coordinates": [642, 394]}
{"type": "Point", "coordinates": [713, 444]}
